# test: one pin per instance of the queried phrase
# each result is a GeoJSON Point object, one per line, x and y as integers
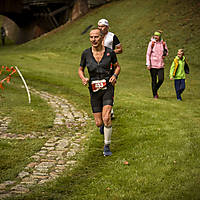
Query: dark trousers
{"type": "Point", "coordinates": [157, 76]}
{"type": "Point", "coordinates": [179, 87]}
{"type": "Point", "coordinates": [3, 41]}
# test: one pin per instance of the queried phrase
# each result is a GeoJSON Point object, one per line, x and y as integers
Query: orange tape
{"type": "Point", "coordinates": [8, 78]}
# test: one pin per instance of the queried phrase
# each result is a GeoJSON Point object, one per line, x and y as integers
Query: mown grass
{"type": "Point", "coordinates": [159, 139]}
{"type": "Point", "coordinates": [25, 117]}
{"type": "Point", "coordinates": [15, 154]}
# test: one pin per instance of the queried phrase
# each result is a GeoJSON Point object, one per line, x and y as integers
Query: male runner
{"type": "Point", "coordinates": [110, 40]}
{"type": "Point", "coordinates": [101, 82]}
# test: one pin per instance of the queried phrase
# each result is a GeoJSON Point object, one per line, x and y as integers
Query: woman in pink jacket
{"type": "Point", "coordinates": [156, 52]}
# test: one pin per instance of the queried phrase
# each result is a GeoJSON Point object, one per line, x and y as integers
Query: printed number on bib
{"type": "Point", "coordinates": [98, 85]}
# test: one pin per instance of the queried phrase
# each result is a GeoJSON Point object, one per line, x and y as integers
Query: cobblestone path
{"type": "Point", "coordinates": [56, 154]}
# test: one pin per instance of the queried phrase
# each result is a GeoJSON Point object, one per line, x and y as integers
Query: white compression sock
{"type": "Point", "coordinates": [107, 135]}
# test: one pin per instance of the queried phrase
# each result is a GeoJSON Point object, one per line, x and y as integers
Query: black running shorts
{"type": "Point", "coordinates": [101, 98]}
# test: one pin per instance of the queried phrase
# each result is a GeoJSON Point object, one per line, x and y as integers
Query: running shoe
{"type": "Point", "coordinates": [101, 129]}
{"type": "Point", "coordinates": [156, 96]}
{"type": "Point", "coordinates": [106, 151]}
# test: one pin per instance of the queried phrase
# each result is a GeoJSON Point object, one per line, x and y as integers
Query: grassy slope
{"type": "Point", "coordinates": [159, 139]}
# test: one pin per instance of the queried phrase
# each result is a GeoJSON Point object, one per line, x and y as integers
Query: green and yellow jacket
{"type": "Point", "coordinates": [177, 68]}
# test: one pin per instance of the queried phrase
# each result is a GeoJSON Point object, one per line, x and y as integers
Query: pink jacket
{"type": "Point", "coordinates": [154, 56]}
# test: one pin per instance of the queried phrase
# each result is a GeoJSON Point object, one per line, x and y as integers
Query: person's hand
{"type": "Point", "coordinates": [171, 79]}
{"type": "Point", "coordinates": [113, 80]}
{"type": "Point", "coordinates": [85, 81]}
{"type": "Point", "coordinates": [148, 67]}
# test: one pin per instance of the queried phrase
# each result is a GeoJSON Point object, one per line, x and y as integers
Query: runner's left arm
{"type": "Point", "coordinates": [118, 49]}
{"type": "Point", "coordinates": [117, 45]}
{"type": "Point", "coordinates": [116, 68]}
{"type": "Point", "coordinates": [114, 77]}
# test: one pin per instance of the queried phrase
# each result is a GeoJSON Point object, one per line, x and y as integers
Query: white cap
{"type": "Point", "coordinates": [103, 22]}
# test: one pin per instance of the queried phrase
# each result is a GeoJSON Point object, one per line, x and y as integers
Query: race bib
{"type": "Point", "coordinates": [98, 85]}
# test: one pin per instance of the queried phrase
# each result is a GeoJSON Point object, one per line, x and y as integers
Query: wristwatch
{"type": "Point", "coordinates": [115, 75]}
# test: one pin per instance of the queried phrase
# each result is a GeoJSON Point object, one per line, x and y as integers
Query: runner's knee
{"type": "Point", "coordinates": [107, 120]}
{"type": "Point", "coordinates": [99, 123]}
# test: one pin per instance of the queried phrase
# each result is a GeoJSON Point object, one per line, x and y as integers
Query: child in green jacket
{"type": "Point", "coordinates": [178, 70]}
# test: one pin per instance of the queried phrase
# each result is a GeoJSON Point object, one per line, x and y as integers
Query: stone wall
{"type": "Point", "coordinates": [80, 8]}
{"type": "Point", "coordinates": [95, 3]}
{"type": "Point", "coordinates": [21, 35]}
{"type": "Point", "coordinates": [34, 29]}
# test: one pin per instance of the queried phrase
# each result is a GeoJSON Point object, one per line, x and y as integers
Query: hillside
{"type": "Point", "coordinates": [159, 139]}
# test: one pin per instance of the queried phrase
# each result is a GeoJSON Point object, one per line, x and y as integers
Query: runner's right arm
{"type": "Point", "coordinates": [81, 75]}
{"type": "Point", "coordinates": [82, 68]}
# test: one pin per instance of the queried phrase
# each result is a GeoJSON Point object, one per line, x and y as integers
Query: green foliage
{"type": "Point", "coordinates": [159, 139]}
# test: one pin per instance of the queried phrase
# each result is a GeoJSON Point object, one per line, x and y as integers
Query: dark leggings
{"type": "Point", "coordinates": [157, 76]}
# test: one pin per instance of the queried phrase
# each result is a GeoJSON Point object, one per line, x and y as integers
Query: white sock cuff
{"type": "Point", "coordinates": [107, 135]}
